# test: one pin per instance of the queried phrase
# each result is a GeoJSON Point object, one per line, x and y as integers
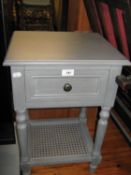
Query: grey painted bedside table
{"type": "Point", "coordinates": [61, 69]}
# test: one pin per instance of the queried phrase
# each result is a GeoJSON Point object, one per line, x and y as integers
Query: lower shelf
{"type": "Point", "coordinates": [58, 141]}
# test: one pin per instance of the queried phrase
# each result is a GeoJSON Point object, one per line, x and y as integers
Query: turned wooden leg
{"type": "Point", "coordinates": [100, 133]}
{"type": "Point", "coordinates": [21, 120]}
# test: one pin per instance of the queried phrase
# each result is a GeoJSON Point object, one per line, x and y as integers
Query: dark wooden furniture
{"type": "Point", "coordinates": [112, 19]}
{"type": "Point", "coordinates": [35, 15]}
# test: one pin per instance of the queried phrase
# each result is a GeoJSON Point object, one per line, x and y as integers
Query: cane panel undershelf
{"type": "Point", "coordinates": [59, 141]}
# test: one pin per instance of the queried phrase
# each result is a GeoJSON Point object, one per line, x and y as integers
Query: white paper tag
{"type": "Point", "coordinates": [17, 75]}
{"type": "Point", "coordinates": [68, 72]}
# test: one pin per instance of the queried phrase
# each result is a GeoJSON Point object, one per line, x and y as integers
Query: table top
{"type": "Point", "coordinates": [31, 47]}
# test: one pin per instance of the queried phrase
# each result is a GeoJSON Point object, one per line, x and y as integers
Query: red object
{"type": "Point", "coordinates": [97, 17]}
{"type": "Point", "coordinates": [122, 32]}
{"type": "Point", "coordinates": [108, 26]}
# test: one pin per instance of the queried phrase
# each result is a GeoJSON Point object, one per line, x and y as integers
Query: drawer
{"type": "Point", "coordinates": [51, 89]}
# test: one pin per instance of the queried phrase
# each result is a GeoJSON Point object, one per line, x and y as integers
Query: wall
{"type": "Point", "coordinates": [77, 17]}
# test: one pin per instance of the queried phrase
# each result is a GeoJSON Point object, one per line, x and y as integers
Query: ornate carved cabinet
{"type": "Point", "coordinates": [59, 69]}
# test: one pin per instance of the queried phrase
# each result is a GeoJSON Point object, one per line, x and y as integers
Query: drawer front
{"type": "Point", "coordinates": [53, 89]}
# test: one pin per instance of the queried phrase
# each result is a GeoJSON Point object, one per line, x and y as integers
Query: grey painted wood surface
{"type": "Point", "coordinates": [48, 47]}
{"type": "Point", "coordinates": [43, 62]}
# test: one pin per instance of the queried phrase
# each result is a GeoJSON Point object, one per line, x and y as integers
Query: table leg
{"type": "Point", "coordinates": [83, 114]}
{"type": "Point", "coordinates": [21, 119]}
{"type": "Point", "coordinates": [100, 133]}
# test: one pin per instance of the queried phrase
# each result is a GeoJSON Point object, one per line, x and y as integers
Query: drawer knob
{"type": "Point", "coordinates": [67, 87]}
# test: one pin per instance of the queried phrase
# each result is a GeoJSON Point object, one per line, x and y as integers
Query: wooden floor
{"type": "Point", "coordinates": [116, 157]}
